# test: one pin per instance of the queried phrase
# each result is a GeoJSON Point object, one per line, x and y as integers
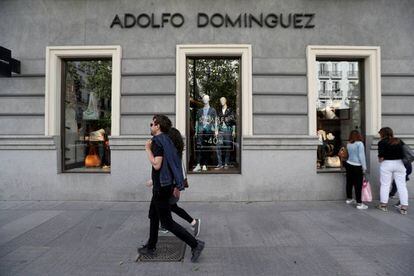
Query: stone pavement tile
{"type": "Point", "coordinates": [129, 206]}
{"type": "Point", "coordinates": [309, 231]}
{"type": "Point", "coordinates": [133, 232]}
{"type": "Point", "coordinates": [253, 229]}
{"type": "Point", "coordinates": [354, 227]}
{"type": "Point", "coordinates": [45, 232]}
{"type": "Point", "coordinates": [84, 205]}
{"type": "Point", "coordinates": [393, 260]}
{"type": "Point", "coordinates": [7, 216]}
{"type": "Point", "coordinates": [113, 260]}
{"type": "Point", "coordinates": [20, 258]}
{"type": "Point", "coordinates": [94, 230]}
{"type": "Point", "coordinates": [41, 205]}
{"type": "Point", "coordinates": [350, 259]}
{"type": "Point", "coordinates": [19, 226]}
{"type": "Point", "coordinates": [395, 220]}
{"type": "Point", "coordinates": [9, 205]}
{"type": "Point", "coordinates": [59, 261]}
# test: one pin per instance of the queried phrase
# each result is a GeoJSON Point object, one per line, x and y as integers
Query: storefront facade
{"type": "Point", "coordinates": [265, 94]}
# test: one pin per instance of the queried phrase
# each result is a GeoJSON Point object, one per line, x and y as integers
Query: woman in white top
{"type": "Point", "coordinates": [355, 168]}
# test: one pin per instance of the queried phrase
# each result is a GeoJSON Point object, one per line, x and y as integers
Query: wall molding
{"type": "Point", "coordinates": [26, 142]}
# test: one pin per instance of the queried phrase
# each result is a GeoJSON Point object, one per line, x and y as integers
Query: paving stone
{"type": "Point", "coordinates": [18, 227]}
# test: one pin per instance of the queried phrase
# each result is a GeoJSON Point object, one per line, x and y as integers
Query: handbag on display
{"type": "Point", "coordinates": [366, 194]}
{"type": "Point", "coordinates": [92, 159]}
{"type": "Point", "coordinates": [333, 162]}
{"type": "Point", "coordinates": [408, 153]}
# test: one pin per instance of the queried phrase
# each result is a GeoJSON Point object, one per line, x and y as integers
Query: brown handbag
{"type": "Point", "coordinates": [92, 159]}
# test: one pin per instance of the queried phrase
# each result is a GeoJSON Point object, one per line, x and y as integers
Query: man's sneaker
{"type": "Point", "coordinates": [196, 252]}
{"type": "Point", "coordinates": [361, 206]}
{"type": "Point", "coordinates": [147, 252]}
{"type": "Point", "coordinates": [397, 205]}
{"type": "Point", "coordinates": [162, 230]}
{"type": "Point", "coordinates": [383, 208]}
{"type": "Point", "coordinates": [197, 168]}
{"type": "Point", "coordinates": [219, 167]}
{"type": "Point", "coordinates": [196, 227]}
{"type": "Point", "coordinates": [204, 168]}
{"type": "Point", "coordinates": [350, 201]}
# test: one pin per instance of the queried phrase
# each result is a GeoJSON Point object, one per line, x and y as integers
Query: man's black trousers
{"type": "Point", "coordinates": [160, 211]}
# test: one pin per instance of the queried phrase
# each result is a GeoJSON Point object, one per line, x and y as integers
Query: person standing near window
{"type": "Point", "coordinates": [390, 155]}
{"type": "Point", "coordinates": [355, 168]}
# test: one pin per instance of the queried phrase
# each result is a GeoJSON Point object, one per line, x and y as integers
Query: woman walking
{"type": "Point", "coordinates": [390, 155]}
{"type": "Point", "coordinates": [355, 168]}
{"type": "Point", "coordinates": [177, 139]}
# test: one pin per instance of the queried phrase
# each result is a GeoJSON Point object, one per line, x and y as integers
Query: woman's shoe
{"type": "Point", "coordinates": [361, 206]}
{"type": "Point", "coordinates": [383, 208]}
{"type": "Point", "coordinates": [403, 211]}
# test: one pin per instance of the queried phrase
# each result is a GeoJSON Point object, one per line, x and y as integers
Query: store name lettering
{"type": "Point", "coordinates": [216, 20]}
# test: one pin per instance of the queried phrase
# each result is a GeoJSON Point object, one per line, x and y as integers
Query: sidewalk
{"type": "Point", "coordinates": [264, 238]}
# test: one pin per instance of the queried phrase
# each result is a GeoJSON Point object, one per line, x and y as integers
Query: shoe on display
{"type": "Point", "coordinates": [196, 227]}
{"type": "Point", "coordinates": [361, 206]}
{"type": "Point", "coordinates": [147, 252]}
{"type": "Point", "coordinates": [197, 168]}
{"type": "Point", "coordinates": [350, 201]}
{"type": "Point", "coordinates": [204, 168]}
{"type": "Point", "coordinates": [196, 252]}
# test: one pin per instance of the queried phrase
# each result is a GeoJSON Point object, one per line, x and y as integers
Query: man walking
{"type": "Point", "coordinates": [168, 180]}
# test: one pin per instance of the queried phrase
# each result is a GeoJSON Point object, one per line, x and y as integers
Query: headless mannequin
{"type": "Point", "coordinates": [206, 123]}
{"type": "Point", "coordinates": [225, 132]}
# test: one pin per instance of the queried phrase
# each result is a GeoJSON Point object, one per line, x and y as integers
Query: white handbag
{"type": "Point", "coordinates": [333, 162]}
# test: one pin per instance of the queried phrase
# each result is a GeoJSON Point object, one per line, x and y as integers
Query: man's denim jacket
{"type": "Point", "coordinates": [171, 167]}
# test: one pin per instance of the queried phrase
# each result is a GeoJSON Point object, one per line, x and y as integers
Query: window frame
{"type": "Point", "coordinates": [53, 88]}
{"type": "Point", "coordinates": [371, 57]}
{"type": "Point", "coordinates": [239, 120]}
{"type": "Point", "coordinates": [53, 93]}
{"type": "Point", "coordinates": [62, 118]}
{"type": "Point", "coordinates": [244, 51]}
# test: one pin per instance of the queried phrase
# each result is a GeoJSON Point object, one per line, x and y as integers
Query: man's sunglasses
{"type": "Point", "coordinates": [152, 124]}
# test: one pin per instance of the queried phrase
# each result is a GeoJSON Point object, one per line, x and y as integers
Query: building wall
{"type": "Point", "coordinates": [276, 168]}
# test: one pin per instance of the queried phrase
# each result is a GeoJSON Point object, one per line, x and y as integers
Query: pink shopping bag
{"type": "Point", "coordinates": [366, 195]}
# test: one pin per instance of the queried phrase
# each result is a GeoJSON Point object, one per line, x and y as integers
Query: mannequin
{"type": "Point", "coordinates": [205, 125]}
{"type": "Point", "coordinates": [92, 112]}
{"type": "Point", "coordinates": [225, 132]}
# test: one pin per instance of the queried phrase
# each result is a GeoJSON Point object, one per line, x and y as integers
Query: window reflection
{"type": "Point", "coordinates": [339, 109]}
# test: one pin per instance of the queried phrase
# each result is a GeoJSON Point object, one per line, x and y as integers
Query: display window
{"type": "Point", "coordinates": [213, 114]}
{"type": "Point", "coordinates": [340, 109]}
{"type": "Point", "coordinates": [86, 115]}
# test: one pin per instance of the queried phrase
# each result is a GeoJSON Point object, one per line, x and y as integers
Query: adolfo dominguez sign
{"type": "Point", "coordinates": [216, 20]}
